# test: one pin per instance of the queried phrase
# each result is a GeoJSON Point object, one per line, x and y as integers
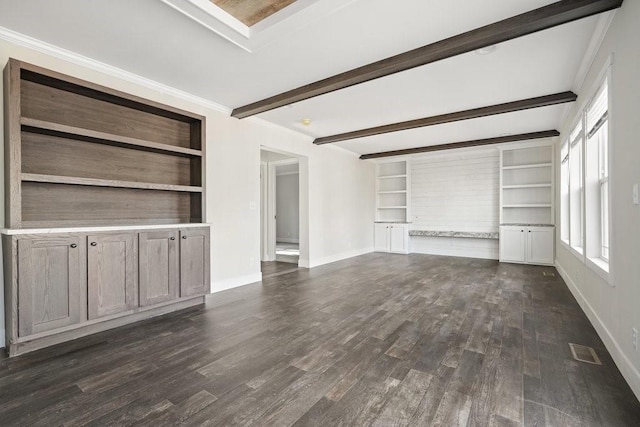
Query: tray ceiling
{"type": "Point", "coordinates": [250, 12]}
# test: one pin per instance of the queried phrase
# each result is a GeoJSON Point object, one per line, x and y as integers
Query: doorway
{"type": "Point", "coordinates": [280, 212]}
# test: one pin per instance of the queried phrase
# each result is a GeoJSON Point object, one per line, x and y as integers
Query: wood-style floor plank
{"type": "Point", "coordinates": [380, 339]}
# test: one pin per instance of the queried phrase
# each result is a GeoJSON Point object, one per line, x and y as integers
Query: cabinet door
{"type": "Point", "coordinates": [381, 238]}
{"type": "Point", "coordinates": [158, 266]}
{"type": "Point", "coordinates": [194, 262]}
{"type": "Point", "coordinates": [112, 274]}
{"type": "Point", "coordinates": [540, 245]}
{"type": "Point", "coordinates": [49, 283]}
{"type": "Point", "coordinates": [512, 244]}
{"type": "Point", "coordinates": [399, 238]}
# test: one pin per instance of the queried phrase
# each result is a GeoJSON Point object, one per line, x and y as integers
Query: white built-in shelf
{"type": "Point", "coordinates": [57, 179]}
{"type": "Point", "coordinates": [511, 187]}
{"type": "Point", "coordinates": [534, 165]}
{"type": "Point", "coordinates": [528, 205]}
{"type": "Point", "coordinates": [105, 137]}
{"type": "Point", "coordinates": [526, 183]}
{"type": "Point", "coordinates": [392, 176]}
{"type": "Point", "coordinates": [392, 191]}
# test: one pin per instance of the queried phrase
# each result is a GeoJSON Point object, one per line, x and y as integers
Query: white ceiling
{"type": "Point", "coordinates": [153, 40]}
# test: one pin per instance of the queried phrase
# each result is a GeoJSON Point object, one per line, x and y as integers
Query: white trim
{"type": "Point", "coordinates": [337, 257]}
{"type": "Point", "coordinates": [234, 282]}
{"type": "Point", "coordinates": [597, 38]}
{"type": "Point", "coordinates": [629, 372]}
{"type": "Point", "coordinates": [287, 173]}
{"type": "Point", "coordinates": [84, 61]}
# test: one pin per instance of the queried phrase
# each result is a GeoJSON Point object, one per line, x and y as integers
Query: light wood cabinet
{"type": "Point", "coordinates": [112, 274]}
{"type": "Point", "coordinates": [78, 154]}
{"type": "Point", "coordinates": [158, 266]}
{"type": "Point", "coordinates": [391, 237]}
{"type": "Point", "coordinates": [527, 245]}
{"type": "Point", "coordinates": [49, 289]}
{"type": "Point", "coordinates": [194, 262]}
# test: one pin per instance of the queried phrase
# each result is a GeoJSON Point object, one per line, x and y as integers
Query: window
{"type": "Point", "coordinates": [597, 175]}
{"type": "Point", "coordinates": [584, 183]}
{"type": "Point", "coordinates": [564, 192]}
{"type": "Point", "coordinates": [576, 207]}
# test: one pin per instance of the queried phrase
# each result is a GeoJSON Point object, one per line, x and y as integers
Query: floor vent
{"type": "Point", "coordinates": [549, 273]}
{"type": "Point", "coordinates": [584, 354]}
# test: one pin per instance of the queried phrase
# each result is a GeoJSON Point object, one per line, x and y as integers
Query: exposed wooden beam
{"type": "Point", "coordinates": [509, 107]}
{"type": "Point", "coordinates": [465, 144]}
{"type": "Point", "coordinates": [536, 20]}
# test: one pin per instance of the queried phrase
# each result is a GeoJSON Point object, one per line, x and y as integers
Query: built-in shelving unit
{"type": "Point", "coordinates": [526, 203]}
{"type": "Point", "coordinates": [79, 154]}
{"type": "Point", "coordinates": [526, 184]}
{"type": "Point", "coordinates": [104, 208]}
{"type": "Point", "coordinates": [392, 191]}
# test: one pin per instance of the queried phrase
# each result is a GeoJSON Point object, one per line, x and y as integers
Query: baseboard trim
{"type": "Point", "coordinates": [629, 372]}
{"type": "Point", "coordinates": [337, 257]}
{"type": "Point", "coordinates": [234, 282]}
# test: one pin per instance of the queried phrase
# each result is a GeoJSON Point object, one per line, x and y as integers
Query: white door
{"type": "Point", "coordinates": [399, 239]}
{"type": "Point", "coordinates": [540, 245]}
{"type": "Point", "coordinates": [512, 244]}
{"type": "Point", "coordinates": [381, 237]}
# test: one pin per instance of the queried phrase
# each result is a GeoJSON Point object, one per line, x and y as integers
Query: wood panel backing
{"type": "Point", "coordinates": [59, 106]}
{"type": "Point", "coordinates": [87, 160]}
{"type": "Point", "coordinates": [60, 204]}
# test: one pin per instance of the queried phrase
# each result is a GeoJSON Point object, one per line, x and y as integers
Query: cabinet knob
{"type": "Point", "coordinates": [172, 238]}
{"type": "Point", "coordinates": [529, 231]}
{"type": "Point", "coordinates": [73, 245]}
{"type": "Point", "coordinates": [94, 244]}
{"type": "Point", "coordinates": [184, 237]}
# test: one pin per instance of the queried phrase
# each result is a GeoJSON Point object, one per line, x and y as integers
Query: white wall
{"type": "Point", "coordinates": [456, 191]}
{"type": "Point", "coordinates": [287, 211]}
{"type": "Point", "coordinates": [614, 310]}
{"type": "Point", "coordinates": [339, 201]}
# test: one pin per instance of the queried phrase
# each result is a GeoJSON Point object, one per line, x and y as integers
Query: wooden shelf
{"type": "Point", "coordinates": [529, 205]}
{"type": "Point", "coordinates": [509, 187]}
{"type": "Point", "coordinates": [534, 165]}
{"type": "Point", "coordinates": [392, 176]}
{"type": "Point", "coordinates": [55, 179]}
{"type": "Point", "coordinates": [393, 192]}
{"type": "Point", "coordinates": [103, 137]}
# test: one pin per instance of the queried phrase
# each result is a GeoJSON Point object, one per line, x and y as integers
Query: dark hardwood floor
{"type": "Point", "coordinates": [374, 340]}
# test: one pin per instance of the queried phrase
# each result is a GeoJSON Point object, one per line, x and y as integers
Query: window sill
{"type": "Point", "coordinates": [601, 268]}
{"type": "Point", "coordinates": [577, 252]}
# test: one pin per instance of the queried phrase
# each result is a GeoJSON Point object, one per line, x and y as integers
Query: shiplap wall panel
{"type": "Point", "coordinates": [457, 191]}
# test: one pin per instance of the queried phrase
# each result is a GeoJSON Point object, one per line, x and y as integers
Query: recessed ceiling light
{"type": "Point", "coordinates": [487, 50]}
{"type": "Point", "coordinates": [305, 122]}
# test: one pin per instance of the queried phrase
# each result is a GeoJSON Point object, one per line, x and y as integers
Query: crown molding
{"type": "Point", "coordinates": [84, 61]}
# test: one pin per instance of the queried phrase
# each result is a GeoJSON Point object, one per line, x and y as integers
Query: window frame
{"type": "Point", "coordinates": [599, 266]}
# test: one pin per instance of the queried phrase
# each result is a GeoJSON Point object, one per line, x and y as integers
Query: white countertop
{"type": "Point", "coordinates": [16, 231]}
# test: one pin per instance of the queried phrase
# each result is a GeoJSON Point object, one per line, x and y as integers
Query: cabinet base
{"type": "Point", "coordinates": [28, 344]}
